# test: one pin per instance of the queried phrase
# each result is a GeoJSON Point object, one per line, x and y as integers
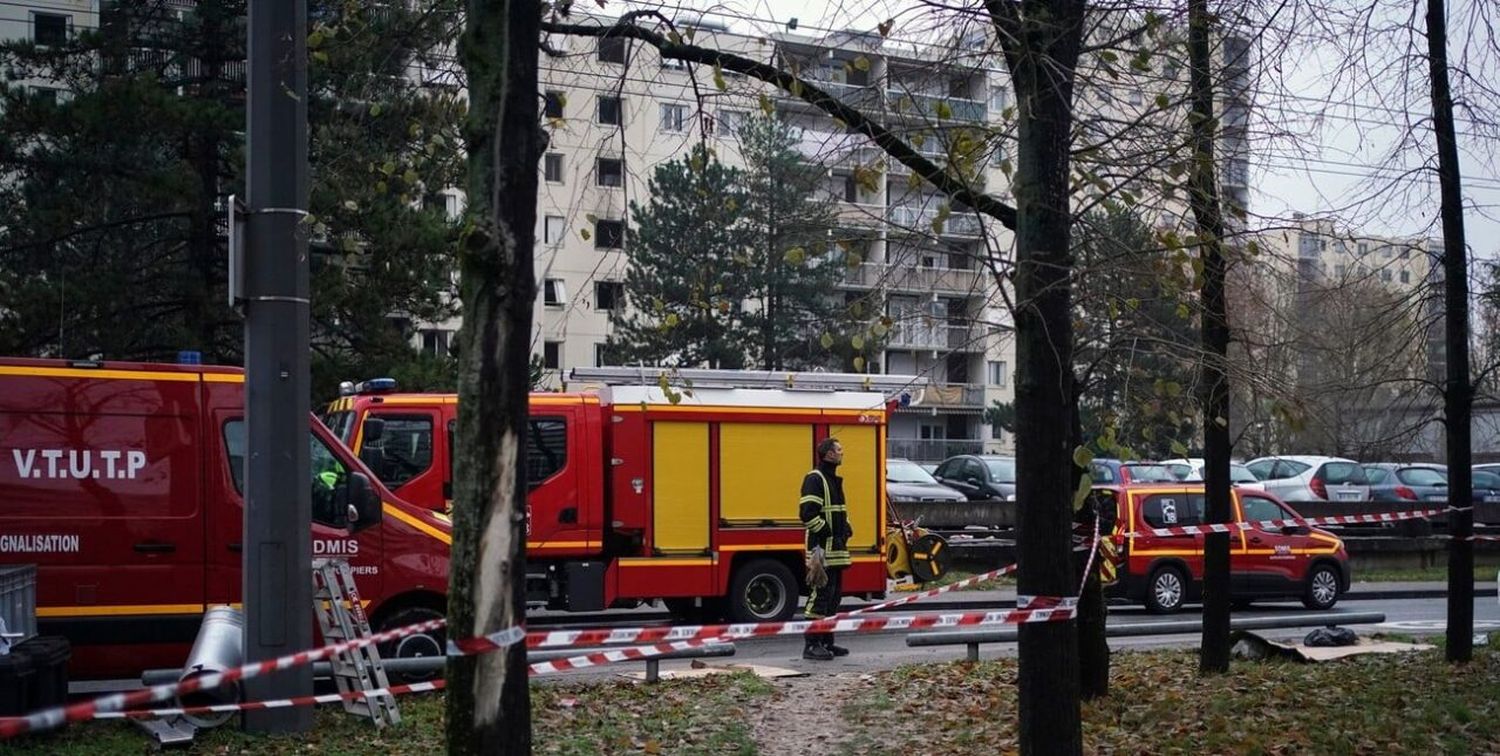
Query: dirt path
{"type": "Point", "coordinates": [803, 717]}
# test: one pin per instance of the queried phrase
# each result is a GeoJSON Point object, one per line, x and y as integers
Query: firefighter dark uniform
{"type": "Point", "coordinates": [827, 523]}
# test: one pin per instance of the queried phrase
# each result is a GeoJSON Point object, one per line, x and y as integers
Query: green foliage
{"type": "Point", "coordinates": [689, 274]}
{"type": "Point", "coordinates": [111, 236]}
{"type": "Point", "coordinates": [1001, 415]}
{"type": "Point", "coordinates": [1136, 339]}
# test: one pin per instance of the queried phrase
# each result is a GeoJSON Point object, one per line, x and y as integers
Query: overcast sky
{"type": "Point", "coordinates": [1326, 143]}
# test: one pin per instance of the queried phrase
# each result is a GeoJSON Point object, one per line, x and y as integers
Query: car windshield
{"type": "Point", "coordinates": [1150, 474]}
{"type": "Point", "coordinates": [1241, 474]}
{"type": "Point", "coordinates": [1002, 470]}
{"type": "Point", "coordinates": [902, 471]}
{"type": "Point", "coordinates": [1486, 480]}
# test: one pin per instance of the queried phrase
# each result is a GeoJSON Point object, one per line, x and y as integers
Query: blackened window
{"type": "Point", "coordinates": [609, 172]}
{"type": "Point", "coordinates": [609, 111]}
{"type": "Point", "coordinates": [609, 234]}
{"type": "Point", "coordinates": [612, 50]}
{"type": "Point", "coordinates": [554, 104]}
{"type": "Point", "coordinates": [552, 355]}
{"type": "Point", "coordinates": [609, 295]}
{"type": "Point", "coordinates": [49, 28]}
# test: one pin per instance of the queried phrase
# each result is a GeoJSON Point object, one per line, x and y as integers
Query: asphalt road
{"type": "Point", "coordinates": [871, 652]}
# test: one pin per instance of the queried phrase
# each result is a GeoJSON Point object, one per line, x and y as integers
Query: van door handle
{"type": "Point", "coordinates": [155, 547]}
{"type": "Point", "coordinates": [236, 547]}
{"type": "Point", "coordinates": [568, 516]}
{"type": "Point", "coordinates": [1255, 539]}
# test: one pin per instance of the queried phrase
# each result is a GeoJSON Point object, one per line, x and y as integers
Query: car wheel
{"type": "Point", "coordinates": [1167, 591]}
{"type": "Point", "coordinates": [762, 591]}
{"type": "Point", "coordinates": [1322, 588]}
{"type": "Point", "coordinates": [417, 645]}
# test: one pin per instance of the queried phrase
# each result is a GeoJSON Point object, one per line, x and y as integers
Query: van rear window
{"type": "Point", "coordinates": [1169, 510]}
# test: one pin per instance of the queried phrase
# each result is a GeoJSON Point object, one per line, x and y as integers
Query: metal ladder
{"type": "Point", "coordinates": [341, 617]}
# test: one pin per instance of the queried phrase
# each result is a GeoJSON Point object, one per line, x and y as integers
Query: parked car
{"type": "Point", "coordinates": [1391, 481]}
{"type": "Point", "coordinates": [906, 481]}
{"type": "Point", "coordinates": [1311, 478]}
{"type": "Point", "coordinates": [1166, 572]}
{"type": "Point", "coordinates": [1108, 471]}
{"type": "Point", "coordinates": [1486, 487]}
{"type": "Point", "coordinates": [979, 476]}
{"type": "Point", "coordinates": [1190, 469]}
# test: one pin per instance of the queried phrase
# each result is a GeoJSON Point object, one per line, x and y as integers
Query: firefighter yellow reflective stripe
{"type": "Point", "coordinates": [810, 499]}
{"type": "Point", "coordinates": [816, 523]}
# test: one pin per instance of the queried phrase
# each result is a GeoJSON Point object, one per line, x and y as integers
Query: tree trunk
{"type": "Point", "coordinates": [1093, 613]}
{"type": "Point", "coordinates": [1458, 395]}
{"type": "Point", "coordinates": [1214, 386]}
{"type": "Point", "coordinates": [1042, 48]}
{"type": "Point", "coordinates": [489, 710]}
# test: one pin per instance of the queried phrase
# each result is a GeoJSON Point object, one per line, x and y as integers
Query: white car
{"type": "Point", "coordinates": [1312, 478]}
{"type": "Point", "coordinates": [1191, 469]}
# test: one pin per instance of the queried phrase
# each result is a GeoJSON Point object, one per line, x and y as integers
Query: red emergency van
{"type": "Point", "coordinates": [642, 492]}
{"type": "Point", "coordinates": [1165, 572]}
{"type": "Point", "coordinates": [121, 482]}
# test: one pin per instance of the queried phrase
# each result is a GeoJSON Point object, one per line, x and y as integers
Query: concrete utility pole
{"type": "Point", "coordinates": [278, 537]}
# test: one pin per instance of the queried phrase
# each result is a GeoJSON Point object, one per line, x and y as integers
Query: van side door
{"type": "Point", "coordinates": [1268, 558]}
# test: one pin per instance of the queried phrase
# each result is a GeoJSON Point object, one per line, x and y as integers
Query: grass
{"type": "Point", "coordinates": [1370, 704]}
{"type": "Point", "coordinates": [696, 716]}
{"type": "Point", "coordinates": [1419, 575]}
{"type": "Point", "coordinates": [1004, 581]}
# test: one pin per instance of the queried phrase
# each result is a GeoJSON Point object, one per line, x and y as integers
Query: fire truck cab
{"type": "Point", "coordinates": [643, 488]}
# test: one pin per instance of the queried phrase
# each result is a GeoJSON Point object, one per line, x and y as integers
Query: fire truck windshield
{"type": "Point", "coordinates": [342, 425]}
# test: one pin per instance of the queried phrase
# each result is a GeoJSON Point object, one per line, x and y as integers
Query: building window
{"type": "Point", "coordinates": [1405, 277]}
{"type": "Point", "coordinates": [673, 117]}
{"type": "Point", "coordinates": [609, 234]}
{"type": "Point", "coordinates": [553, 228]}
{"type": "Point", "coordinates": [609, 172]}
{"type": "Point", "coordinates": [552, 355]}
{"type": "Point", "coordinates": [609, 111]}
{"type": "Point", "coordinates": [612, 50]}
{"type": "Point", "coordinates": [609, 295]}
{"type": "Point", "coordinates": [851, 189]}
{"type": "Point", "coordinates": [553, 104]}
{"type": "Point", "coordinates": [552, 167]}
{"type": "Point", "coordinates": [1339, 270]}
{"type": "Point", "coordinates": [43, 95]}
{"type": "Point", "coordinates": [731, 121]}
{"type": "Point", "coordinates": [1364, 249]}
{"type": "Point", "coordinates": [436, 341]}
{"type": "Point", "coordinates": [49, 29]}
{"type": "Point", "coordinates": [601, 355]}
{"type": "Point", "coordinates": [997, 373]}
{"type": "Point", "coordinates": [1385, 275]}
{"type": "Point", "coordinates": [554, 294]}
{"type": "Point", "coordinates": [1137, 97]}
{"type": "Point", "coordinates": [997, 433]}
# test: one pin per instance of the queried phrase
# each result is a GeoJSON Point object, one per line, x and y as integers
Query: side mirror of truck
{"type": "Point", "coordinates": [374, 458]}
{"type": "Point", "coordinates": [374, 430]}
{"type": "Point", "coordinates": [364, 508]}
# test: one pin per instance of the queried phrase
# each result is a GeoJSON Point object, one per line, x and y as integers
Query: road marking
{"type": "Point", "coordinates": [1431, 625]}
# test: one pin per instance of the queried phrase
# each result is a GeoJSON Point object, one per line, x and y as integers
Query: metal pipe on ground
{"type": "Point", "coordinates": [973, 638]}
{"type": "Point", "coordinates": [428, 665]}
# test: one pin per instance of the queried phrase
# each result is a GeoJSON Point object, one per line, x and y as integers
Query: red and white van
{"type": "Point", "coordinates": [1165, 572]}
{"type": "Point", "coordinates": [121, 482]}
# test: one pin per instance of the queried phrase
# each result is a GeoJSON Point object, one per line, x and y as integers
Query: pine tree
{"type": "Point", "coordinates": [120, 146]}
{"type": "Point", "coordinates": [797, 258]}
{"type": "Point", "coordinates": [690, 270]}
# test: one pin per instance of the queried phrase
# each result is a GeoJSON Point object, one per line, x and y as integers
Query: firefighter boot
{"type": "Point", "coordinates": [833, 649]}
{"type": "Point", "coordinates": [815, 650]}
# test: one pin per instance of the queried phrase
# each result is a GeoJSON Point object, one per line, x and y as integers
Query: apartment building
{"type": "Point", "coordinates": [46, 22]}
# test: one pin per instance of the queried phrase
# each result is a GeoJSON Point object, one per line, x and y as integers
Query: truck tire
{"type": "Point", "coordinates": [1322, 588]}
{"type": "Point", "coordinates": [762, 591]}
{"type": "Point", "coordinates": [416, 645]}
{"type": "Point", "coordinates": [1167, 590]}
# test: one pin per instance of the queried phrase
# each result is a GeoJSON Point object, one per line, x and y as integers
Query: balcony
{"type": "Point", "coordinates": [932, 450]}
{"type": "Point", "coordinates": [920, 219]}
{"type": "Point", "coordinates": [921, 332]}
{"type": "Point", "coordinates": [952, 396]}
{"type": "Point", "coordinates": [966, 338]}
{"type": "Point", "coordinates": [837, 149]}
{"type": "Point", "coordinates": [913, 278]}
{"type": "Point", "coordinates": [942, 108]}
{"type": "Point", "coordinates": [860, 215]}
{"type": "Point", "coordinates": [861, 97]}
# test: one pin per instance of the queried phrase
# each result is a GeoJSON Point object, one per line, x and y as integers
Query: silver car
{"type": "Point", "coordinates": [1312, 478]}
{"type": "Point", "coordinates": [1190, 469]}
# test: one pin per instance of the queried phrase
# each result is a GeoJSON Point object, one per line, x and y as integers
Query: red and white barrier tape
{"type": "Point", "coordinates": [1040, 609]}
{"type": "Point", "coordinates": [958, 585]}
{"type": "Point", "coordinates": [1231, 527]}
{"type": "Point", "coordinates": [280, 703]}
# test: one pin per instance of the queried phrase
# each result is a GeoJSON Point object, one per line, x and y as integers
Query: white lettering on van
{"type": "Point", "coordinates": [364, 569]}
{"type": "Point", "coordinates": [80, 464]}
{"type": "Point", "coordinates": [335, 547]}
{"type": "Point", "coordinates": [39, 544]}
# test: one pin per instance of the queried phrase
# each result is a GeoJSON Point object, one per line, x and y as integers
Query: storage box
{"type": "Point", "coordinates": [18, 600]}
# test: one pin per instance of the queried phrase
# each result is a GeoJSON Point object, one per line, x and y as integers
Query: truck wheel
{"type": "Point", "coordinates": [1167, 591]}
{"type": "Point", "coordinates": [1322, 588]}
{"type": "Point", "coordinates": [762, 591]}
{"type": "Point", "coordinates": [414, 646]}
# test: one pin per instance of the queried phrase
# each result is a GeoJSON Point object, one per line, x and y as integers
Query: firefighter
{"type": "Point", "coordinates": [828, 532]}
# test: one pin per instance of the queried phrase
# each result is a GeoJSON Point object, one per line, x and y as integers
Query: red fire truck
{"type": "Point", "coordinates": [644, 488]}
{"type": "Point", "coordinates": [122, 483]}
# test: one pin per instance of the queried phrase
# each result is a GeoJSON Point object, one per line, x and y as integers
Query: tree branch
{"type": "Point", "coordinates": [800, 88]}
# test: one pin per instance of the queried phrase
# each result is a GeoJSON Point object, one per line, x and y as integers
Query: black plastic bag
{"type": "Point", "coordinates": [1331, 636]}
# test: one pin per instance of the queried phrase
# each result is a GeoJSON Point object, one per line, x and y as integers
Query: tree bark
{"type": "Point", "coordinates": [1214, 386]}
{"type": "Point", "coordinates": [1458, 394]}
{"type": "Point", "coordinates": [1093, 612]}
{"type": "Point", "coordinates": [489, 709]}
{"type": "Point", "coordinates": [1041, 41]}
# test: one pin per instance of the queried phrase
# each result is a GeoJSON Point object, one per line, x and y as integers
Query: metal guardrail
{"type": "Point", "coordinates": [973, 638]}
{"type": "Point", "coordinates": [428, 665]}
